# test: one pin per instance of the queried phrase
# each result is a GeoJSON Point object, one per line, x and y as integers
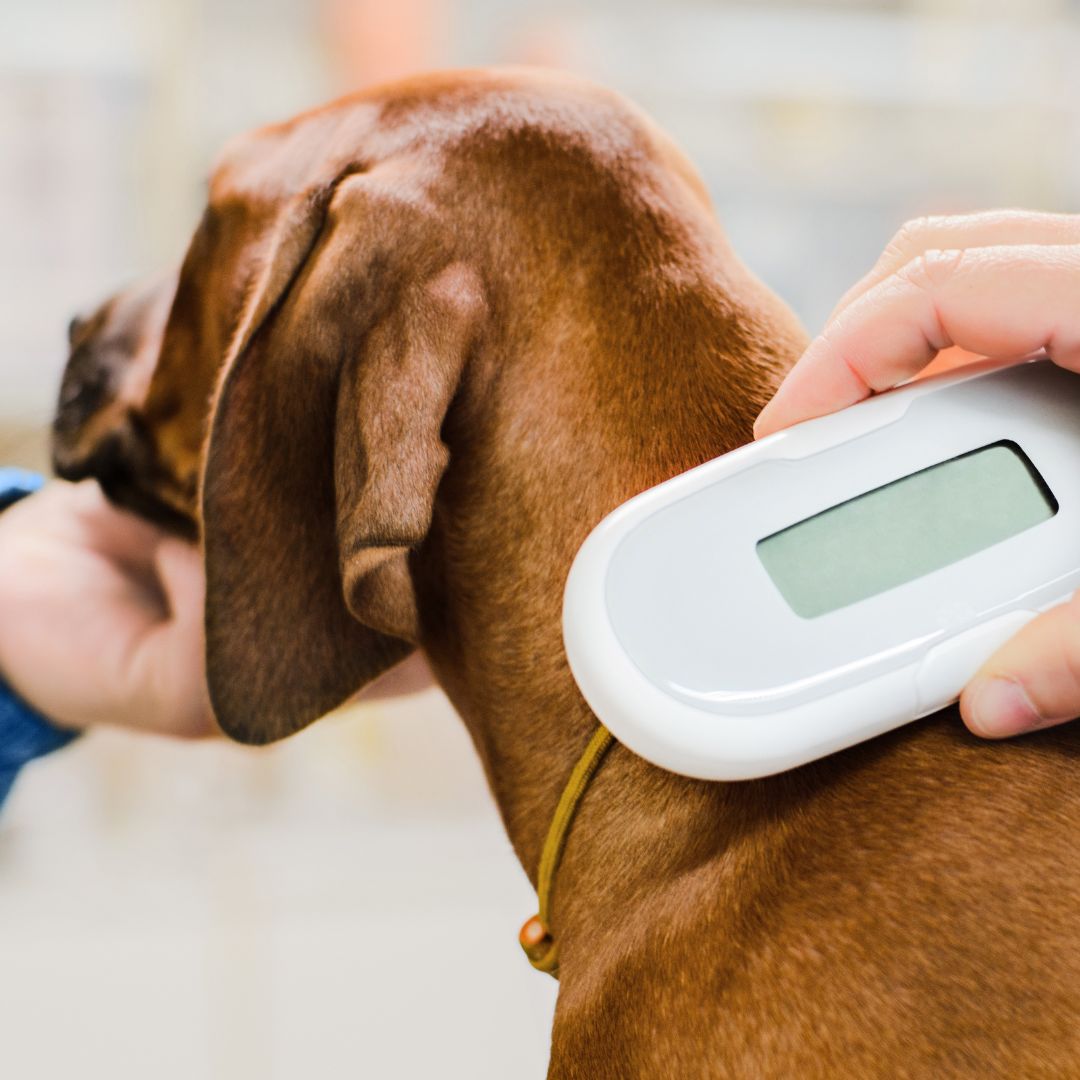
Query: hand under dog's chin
{"type": "Point", "coordinates": [124, 489]}
{"type": "Point", "coordinates": [149, 506]}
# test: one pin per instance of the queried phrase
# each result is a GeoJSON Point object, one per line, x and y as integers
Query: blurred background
{"type": "Point", "coordinates": [346, 903]}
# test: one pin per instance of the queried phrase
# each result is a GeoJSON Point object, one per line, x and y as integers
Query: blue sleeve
{"type": "Point", "coordinates": [24, 733]}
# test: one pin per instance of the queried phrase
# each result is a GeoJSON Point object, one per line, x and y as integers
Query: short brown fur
{"type": "Point", "coordinates": [457, 321]}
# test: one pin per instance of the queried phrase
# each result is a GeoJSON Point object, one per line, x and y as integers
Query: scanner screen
{"type": "Point", "coordinates": [906, 529]}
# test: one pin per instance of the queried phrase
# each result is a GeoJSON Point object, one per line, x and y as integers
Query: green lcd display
{"type": "Point", "coordinates": [906, 529]}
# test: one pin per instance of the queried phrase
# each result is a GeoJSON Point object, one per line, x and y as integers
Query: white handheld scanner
{"type": "Point", "coordinates": [831, 581]}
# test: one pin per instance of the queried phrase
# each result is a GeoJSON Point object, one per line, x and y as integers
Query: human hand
{"type": "Point", "coordinates": [1001, 284]}
{"type": "Point", "coordinates": [101, 615]}
{"type": "Point", "coordinates": [412, 676]}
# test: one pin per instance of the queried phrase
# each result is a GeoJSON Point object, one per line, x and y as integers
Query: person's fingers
{"type": "Point", "coordinates": [948, 360]}
{"type": "Point", "coordinates": [169, 662]}
{"type": "Point", "coordinates": [183, 580]}
{"type": "Point", "coordinates": [116, 534]}
{"type": "Point", "coordinates": [412, 676]}
{"type": "Point", "coordinates": [997, 302]}
{"type": "Point", "coordinates": [79, 516]}
{"type": "Point", "coordinates": [951, 232]}
{"type": "Point", "coordinates": [1032, 681]}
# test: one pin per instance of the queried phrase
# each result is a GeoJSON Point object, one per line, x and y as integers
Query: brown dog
{"type": "Point", "coordinates": [442, 329]}
{"type": "Point", "coordinates": [98, 426]}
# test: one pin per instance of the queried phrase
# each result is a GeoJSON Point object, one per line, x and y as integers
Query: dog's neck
{"type": "Point", "coordinates": [570, 448]}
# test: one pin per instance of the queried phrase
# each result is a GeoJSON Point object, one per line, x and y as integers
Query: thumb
{"type": "Point", "coordinates": [1032, 681]}
{"type": "Point", "coordinates": [171, 657]}
{"type": "Point", "coordinates": [180, 573]}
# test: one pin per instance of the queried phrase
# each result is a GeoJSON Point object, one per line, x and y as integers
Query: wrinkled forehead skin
{"type": "Point", "coordinates": [473, 149]}
{"type": "Point", "coordinates": [255, 178]}
{"type": "Point", "coordinates": [216, 273]}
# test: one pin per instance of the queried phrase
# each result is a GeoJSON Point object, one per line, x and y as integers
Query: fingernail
{"type": "Point", "coordinates": [999, 708]}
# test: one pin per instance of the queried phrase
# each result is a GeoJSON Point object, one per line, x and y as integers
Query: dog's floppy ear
{"type": "Point", "coordinates": [325, 454]}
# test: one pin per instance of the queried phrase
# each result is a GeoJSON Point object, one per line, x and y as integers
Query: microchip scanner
{"type": "Point", "coordinates": [832, 581]}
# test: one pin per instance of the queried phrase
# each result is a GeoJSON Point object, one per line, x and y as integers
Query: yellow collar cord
{"type": "Point", "coordinates": [535, 937]}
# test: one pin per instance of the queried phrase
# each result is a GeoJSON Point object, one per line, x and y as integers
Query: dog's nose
{"type": "Point", "coordinates": [75, 328]}
{"type": "Point", "coordinates": [82, 393]}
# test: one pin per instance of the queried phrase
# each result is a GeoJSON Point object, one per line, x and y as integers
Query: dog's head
{"type": "Point", "coordinates": [283, 398]}
{"type": "Point", "coordinates": [100, 428]}
{"type": "Point", "coordinates": [357, 281]}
